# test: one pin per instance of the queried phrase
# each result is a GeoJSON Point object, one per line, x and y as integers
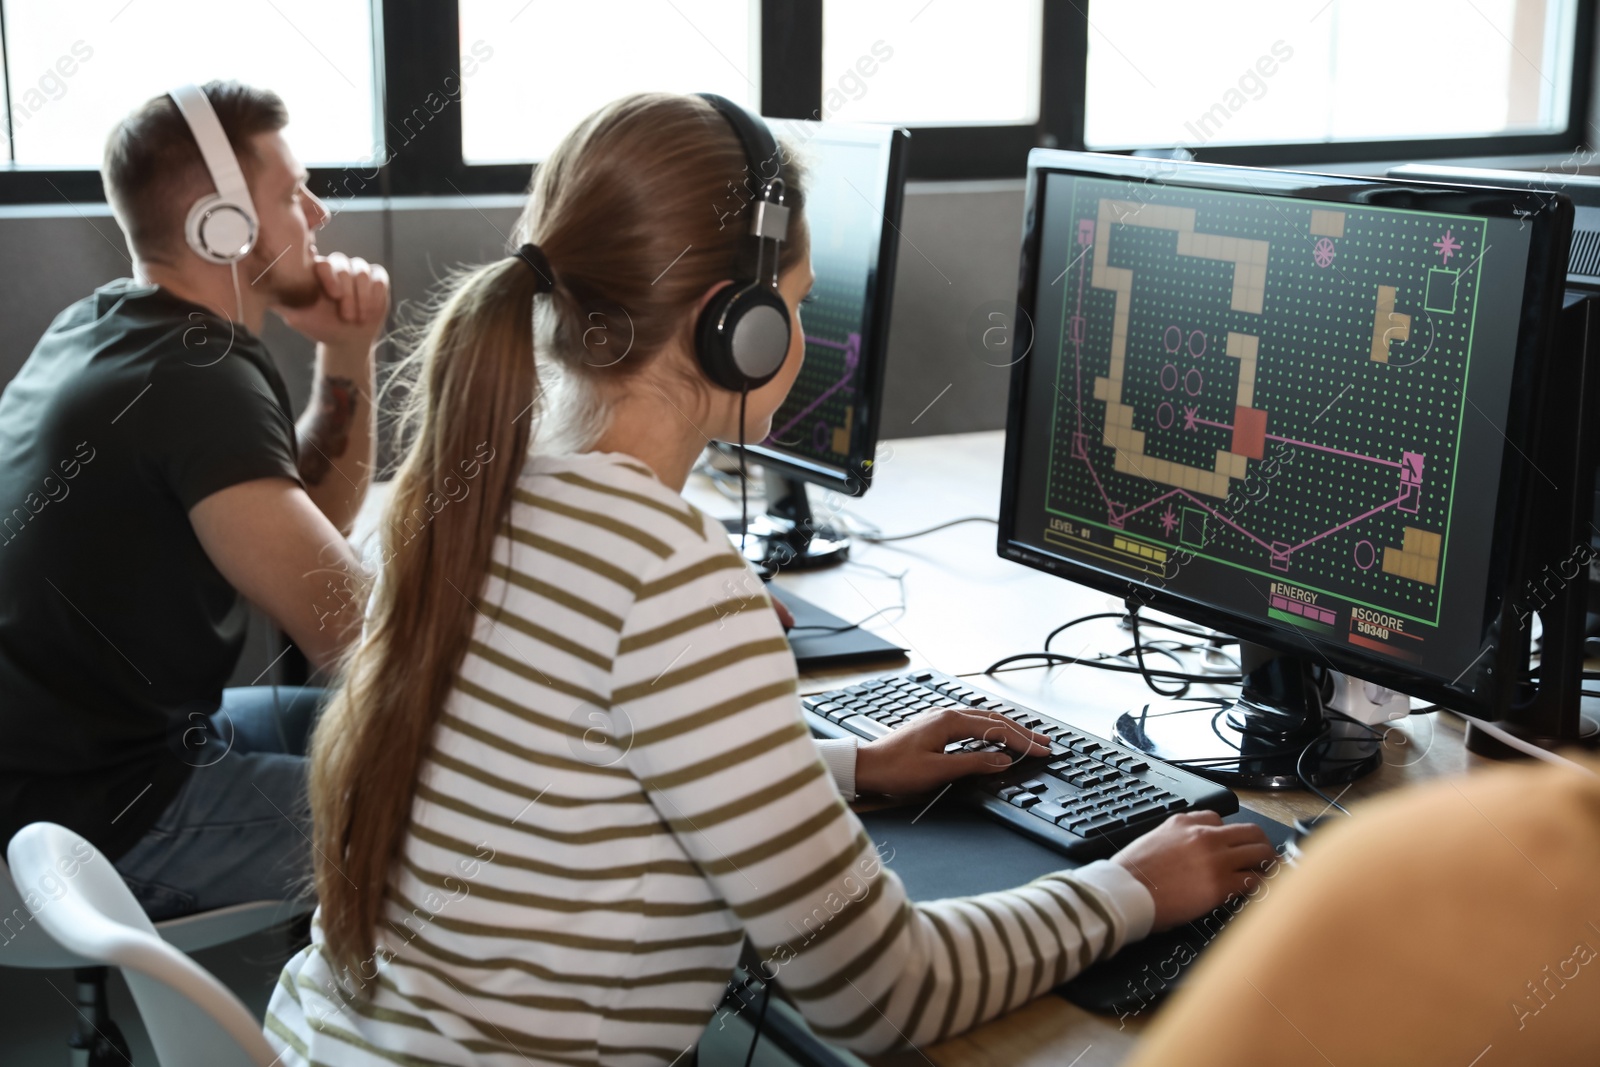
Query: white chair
{"type": "Point", "coordinates": [87, 918]}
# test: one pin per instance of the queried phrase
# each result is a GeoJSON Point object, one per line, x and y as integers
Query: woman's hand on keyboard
{"type": "Point", "coordinates": [912, 759]}
{"type": "Point", "coordinates": [1193, 862]}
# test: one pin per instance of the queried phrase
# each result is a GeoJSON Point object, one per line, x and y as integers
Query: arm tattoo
{"type": "Point", "coordinates": [326, 439]}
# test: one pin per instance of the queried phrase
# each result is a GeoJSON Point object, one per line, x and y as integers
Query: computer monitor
{"type": "Point", "coordinates": [1297, 408]}
{"type": "Point", "coordinates": [826, 432]}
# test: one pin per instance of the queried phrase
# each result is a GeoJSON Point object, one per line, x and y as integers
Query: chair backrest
{"type": "Point", "coordinates": [193, 1019]}
{"type": "Point", "coordinates": [22, 942]}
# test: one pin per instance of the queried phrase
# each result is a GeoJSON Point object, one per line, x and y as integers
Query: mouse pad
{"type": "Point", "coordinates": [950, 850]}
{"type": "Point", "coordinates": [822, 639]}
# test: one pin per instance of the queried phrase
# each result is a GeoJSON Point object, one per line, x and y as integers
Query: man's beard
{"type": "Point", "coordinates": [288, 290]}
{"type": "Point", "coordinates": [299, 293]}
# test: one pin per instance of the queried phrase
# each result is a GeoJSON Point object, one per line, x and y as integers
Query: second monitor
{"type": "Point", "coordinates": [826, 432]}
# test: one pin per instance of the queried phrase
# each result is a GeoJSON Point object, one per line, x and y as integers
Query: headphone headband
{"type": "Point", "coordinates": [221, 228]}
{"type": "Point", "coordinates": [770, 220]}
{"type": "Point", "coordinates": [755, 137]}
{"type": "Point", "coordinates": [743, 335]}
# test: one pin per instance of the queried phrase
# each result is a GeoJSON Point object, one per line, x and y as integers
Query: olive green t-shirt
{"type": "Point", "coordinates": [116, 631]}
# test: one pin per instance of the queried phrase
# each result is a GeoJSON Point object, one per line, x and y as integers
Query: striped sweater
{"type": "Point", "coordinates": [621, 789]}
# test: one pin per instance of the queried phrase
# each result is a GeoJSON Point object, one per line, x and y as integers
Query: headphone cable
{"type": "Point", "coordinates": [744, 479]}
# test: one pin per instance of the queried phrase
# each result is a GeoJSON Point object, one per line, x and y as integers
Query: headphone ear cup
{"type": "Point", "coordinates": [218, 230]}
{"type": "Point", "coordinates": [742, 338]}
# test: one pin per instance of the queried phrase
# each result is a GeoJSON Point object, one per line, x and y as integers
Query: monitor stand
{"type": "Point", "coordinates": [1257, 739]}
{"type": "Point", "coordinates": [788, 536]}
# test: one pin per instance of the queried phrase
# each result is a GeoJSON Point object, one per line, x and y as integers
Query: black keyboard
{"type": "Point", "coordinates": [1086, 799]}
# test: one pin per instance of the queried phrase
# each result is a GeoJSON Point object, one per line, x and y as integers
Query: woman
{"type": "Point", "coordinates": [566, 775]}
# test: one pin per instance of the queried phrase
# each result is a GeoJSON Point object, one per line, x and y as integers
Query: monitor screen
{"type": "Point", "coordinates": [826, 430]}
{"type": "Point", "coordinates": [1283, 405]}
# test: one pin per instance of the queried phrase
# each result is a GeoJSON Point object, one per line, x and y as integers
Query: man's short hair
{"type": "Point", "coordinates": [153, 170]}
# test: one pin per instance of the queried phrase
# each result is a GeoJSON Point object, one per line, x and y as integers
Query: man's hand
{"type": "Point", "coordinates": [785, 616]}
{"type": "Point", "coordinates": [913, 759]}
{"type": "Point", "coordinates": [350, 314]}
{"type": "Point", "coordinates": [1193, 862]}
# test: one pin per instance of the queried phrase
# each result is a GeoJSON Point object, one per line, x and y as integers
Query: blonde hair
{"type": "Point", "coordinates": [638, 212]}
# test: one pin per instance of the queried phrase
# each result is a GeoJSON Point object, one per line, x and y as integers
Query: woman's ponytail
{"type": "Point", "coordinates": [468, 416]}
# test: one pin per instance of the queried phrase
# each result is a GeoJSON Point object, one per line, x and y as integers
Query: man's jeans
{"type": "Point", "coordinates": [240, 828]}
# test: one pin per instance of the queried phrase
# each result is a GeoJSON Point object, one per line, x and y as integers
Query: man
{"type": "Point", "coordinates": [152, 480]}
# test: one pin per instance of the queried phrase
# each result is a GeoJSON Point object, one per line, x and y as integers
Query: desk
{"type": "Point", "coordinates": [966, 608]}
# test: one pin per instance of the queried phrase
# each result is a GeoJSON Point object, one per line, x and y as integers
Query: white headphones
{"type": "Point", "coordinates": [221, 227]}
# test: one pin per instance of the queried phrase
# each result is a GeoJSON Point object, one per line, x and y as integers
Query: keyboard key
{"type": "Point", "coordinates": [1136, 766]}
{"type": "Point", "coordinates": [922, 676]}
{"type": "Point", "coordinates": [954, 747]}
{"type": "Point", "coordinates": [863, 725]}
{"type": "Point", "coordinates": [1024, 800]}
{"type": "Point", "coordinates": [1086, 746]}
{"type": "Point", "coordinates": [1175, 804]}
{"type": "Point", "coordinates": [1047, 810]}
{"type": "Point", "coordinates": [1034, 785]}
{"type": "Point", "coordinates": [1144, 811]}
{"type": "Point", "coordinates": [1011, 791]}
{"type": "Point", "coordinates": [1060, 765]}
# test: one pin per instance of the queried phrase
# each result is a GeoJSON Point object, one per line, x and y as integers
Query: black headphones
{"type": "Point", "coordinates": [742, 338]}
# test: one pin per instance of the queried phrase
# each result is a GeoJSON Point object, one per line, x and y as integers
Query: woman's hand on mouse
{"type": "Point", "coordinates": [1194, 862]}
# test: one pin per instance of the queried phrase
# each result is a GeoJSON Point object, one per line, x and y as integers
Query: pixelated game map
{"type": "Point", "coordinates": [817, 419]}
{"type": "Point", "coordinates": [1271, 384]}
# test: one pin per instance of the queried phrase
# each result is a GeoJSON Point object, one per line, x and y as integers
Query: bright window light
{"type": "Point", "coordinates": [932, 62]}
{"type": "Point", "coordinates": [76, 68]}
{"type": "Point", "coordinates": [1174, 72]}
{"type": "Point", "coordinates": [541, 66]}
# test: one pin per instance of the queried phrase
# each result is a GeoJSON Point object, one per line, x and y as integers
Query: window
{"type": "Point", "coordinates": [1171, 72]}
{"type": "Point", "coordinates": [542, 65]}
{"type": "Point", "coordinates": [927, 63]}
{"type": "Point", "coordinates": [440, 97]}
{"type": "Point", "coordinates": [75, 69]}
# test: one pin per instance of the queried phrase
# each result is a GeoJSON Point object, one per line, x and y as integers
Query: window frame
{"type": "Point", "coordinates": [419, 47]}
